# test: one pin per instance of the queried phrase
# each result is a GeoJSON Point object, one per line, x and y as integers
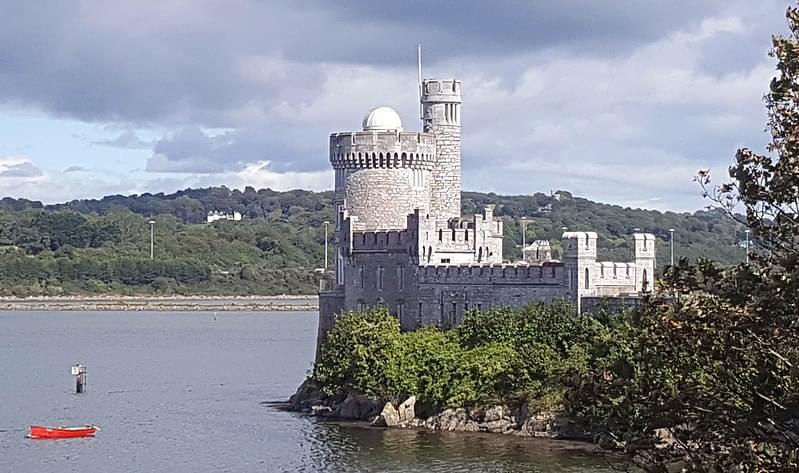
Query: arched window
{"type": "Point", "coordinates": [466, 235]}
{"type": "Point", "coordinates": [429, 253]}
{"type": "Point", "coordinates": [453, 234]}
{"type": "Point", "coordinates": [480, 255]}
{"type": "Point", "coordinates": [440, 235]}
{"type": "Point", "coordinates": [644, 283]}
{"type": "Point", "coordinates": [586, 278]}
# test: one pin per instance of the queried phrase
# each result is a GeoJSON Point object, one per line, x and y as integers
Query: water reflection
{"type": "Point", "coordinates": [350, 447]}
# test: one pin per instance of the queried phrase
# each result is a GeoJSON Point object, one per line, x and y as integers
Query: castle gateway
{"type": "Point", "coordinates": [401, 241]}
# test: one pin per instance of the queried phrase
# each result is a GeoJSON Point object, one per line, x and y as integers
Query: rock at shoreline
{"type": "Point", "coordinates": [357, 406]}
{"type": "Point", "coordinates": [389, 417]}
{"type": "Point", "coordinates": [407, 410]}
{"type": "Point", "coordinates": [499, 419]}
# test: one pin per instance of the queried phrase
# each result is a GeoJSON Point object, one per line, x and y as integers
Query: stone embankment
{"type": "Point", "coordinates": [496, 418]}
{"type": "Point", "coordinates": [165, 303]}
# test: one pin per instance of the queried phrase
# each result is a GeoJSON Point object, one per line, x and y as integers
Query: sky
{"type": "Point", "coordinates": [619, 101]}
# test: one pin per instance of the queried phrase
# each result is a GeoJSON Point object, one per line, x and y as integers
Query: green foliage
{"type": "Point", "coordinates": [504, 355]}
{"type": "Point", "coordinates": [277, 246]}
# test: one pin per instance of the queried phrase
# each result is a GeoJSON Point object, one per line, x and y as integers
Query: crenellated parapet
{"type": "Point", "coordinates": [384, 149]}
{"type": "Point", "coordinates": [390, 240]}
{"type": "Point", "coordinates": [549, 273]}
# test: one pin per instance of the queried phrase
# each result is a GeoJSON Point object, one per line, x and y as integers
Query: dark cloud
{"type": "Point", "coordinates": [75, 169]}
{"type": "Point", "coordinates": [276, 77]}
{"type": "Point", "coordinates": [23, 169]}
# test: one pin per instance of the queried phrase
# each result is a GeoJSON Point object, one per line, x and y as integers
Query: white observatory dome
{"type": "Point", "coordinates": [382, 119]}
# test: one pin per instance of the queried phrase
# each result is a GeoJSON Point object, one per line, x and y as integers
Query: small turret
{"type": "Point", "coordinates": [579, 245]}
{"type": "Point", "coordinates": [644, 261]}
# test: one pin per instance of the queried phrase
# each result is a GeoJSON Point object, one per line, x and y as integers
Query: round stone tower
{"type": "Point", "coordinates": [382, 173]}
{"type": "Point", "coordinates": [441, 112]}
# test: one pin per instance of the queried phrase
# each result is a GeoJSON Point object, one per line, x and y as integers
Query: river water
{"type": "Point", "coordinates": [184, 392]}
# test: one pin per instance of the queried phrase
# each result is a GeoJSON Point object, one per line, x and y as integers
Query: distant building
{"type": "Point", "coordinates": [401, 242]}
{"type": "Point", "coordinates": [214, 215]}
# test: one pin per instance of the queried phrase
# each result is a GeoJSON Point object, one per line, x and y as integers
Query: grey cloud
{"type": "Point", "coordinates": [279, 76]}
{"type": "Point", "coordinates": [23, 169]}
{"type": "Point", "coordinates": [75, 169]}
{"type": "Point", "coordinates": [127, 139]}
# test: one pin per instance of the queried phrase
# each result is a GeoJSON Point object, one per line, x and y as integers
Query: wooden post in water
{"type": "Point", "coordinates": [79, 372]}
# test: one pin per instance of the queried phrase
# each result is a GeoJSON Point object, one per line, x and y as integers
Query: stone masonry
{"type": "Point", "coordinates": [401, 242]}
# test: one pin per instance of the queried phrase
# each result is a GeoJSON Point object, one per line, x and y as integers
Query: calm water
{"type": "Point", "coordinates": [182, 392]}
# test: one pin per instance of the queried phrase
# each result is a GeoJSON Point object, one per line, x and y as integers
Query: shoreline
{"type": "Point", "coordinates": [198, 303]}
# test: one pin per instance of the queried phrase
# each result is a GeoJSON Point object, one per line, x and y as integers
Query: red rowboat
{"type": "Point", "coordinates": [41, 432]}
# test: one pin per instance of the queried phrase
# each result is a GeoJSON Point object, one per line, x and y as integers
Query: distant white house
{"type": "Point", "coordinates": [214, 215]}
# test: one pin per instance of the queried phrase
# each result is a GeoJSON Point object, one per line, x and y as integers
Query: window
{"type": "Point", "coordinates": [614, 272]}
{"type": "Point", "coordinates": [401, 277]}
{"type": "Point", "coordinates": [419, 315]}
{"type": "Point", "coordinates": [601, 271]}
{"type": "Point", "coordinates": [380, 278]}
{"type": "Point", "coordinates": [586, 278]}
{"type": "Point", "coordinates": [360, 277]}
{"type": "Point", "coordinates": [429, 253]}
{"type": "Point", "coordinates": [400, 307]}
{"type": "Point", "coordinates": [644, 283]}
{"type": "Point", "coordinates": [445, 260]}
{"type": "Point", "coordinates": [480, 255]}
{"type": "Point", "coordinates": [466, 235]}
{"type": "Point", "coordinates": [453, 234]}
{"type": "Point", "coordinates": [440, 235]}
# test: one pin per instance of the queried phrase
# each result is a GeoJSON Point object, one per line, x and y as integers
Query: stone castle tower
{"type": "Point", "coordinates": [441, 112]}
{"type": "Point", "coordinates": [401, 242]}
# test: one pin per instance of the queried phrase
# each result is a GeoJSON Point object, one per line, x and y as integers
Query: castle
{"type": "Point", "coordinates": [401, 241]}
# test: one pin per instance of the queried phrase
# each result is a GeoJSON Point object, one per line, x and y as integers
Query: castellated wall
{"type": "Point", "coordinates": [447, 293]}
{"type": "Point", "coordinates": [381, 177]}
{"type": "Point", "coordinates": [459, 241]}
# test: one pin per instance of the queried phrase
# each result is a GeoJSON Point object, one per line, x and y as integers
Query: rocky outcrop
{"type": "Point", "coordinates": [403, 415]}
{"type": "Point", "coordinates": [498, 419]}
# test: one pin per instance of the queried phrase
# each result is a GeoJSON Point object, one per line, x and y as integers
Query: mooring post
{"type": "Point", "coordinates": [79, 372]}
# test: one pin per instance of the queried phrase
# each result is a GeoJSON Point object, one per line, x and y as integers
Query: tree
{"type": "Point", "coordinates": [716, 381]}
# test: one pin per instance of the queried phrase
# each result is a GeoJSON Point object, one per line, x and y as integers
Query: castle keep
{"type": "Point", "coordinates": [401, 241]}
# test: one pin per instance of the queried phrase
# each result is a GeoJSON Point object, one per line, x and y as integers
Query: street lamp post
{"type": "Point", "coordinates": [152, 237]}
{"type": "Point", "coordinates": [326, 223]}
{"type": "Point", "coordinates": [747, 245]}
{"type": "Point", "coordinates": [671, 240]}
{"type": "Point", "coordinates": [524, 233]}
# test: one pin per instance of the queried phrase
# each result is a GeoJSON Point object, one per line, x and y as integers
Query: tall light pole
{"type": "Point", "coordinates": [524, 234]}
{"type": "Point", "coordinates": [152, 237]}
{"type": "Point", "coordinates": [671, 232]}
{"type": "Point", "coordinates": [326, 223]}
{"type": "Point", "coordinates": [747, 245]}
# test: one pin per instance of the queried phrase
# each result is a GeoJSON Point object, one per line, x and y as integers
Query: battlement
{"type": "Point", "coordinates": [549, 273]}
{"type": "Point", "coordinates": [614, 274]}
{"type": "Point", "coordinates": [644, 245]}
{"type": "Point", "coordinates": [579, 244]}
{"type": "Point", "coordinates": [389, 149]}
{"type": "Point", "coordinates": [441, 90]}
{"type": "Point", "coordinates": [390, 240]}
